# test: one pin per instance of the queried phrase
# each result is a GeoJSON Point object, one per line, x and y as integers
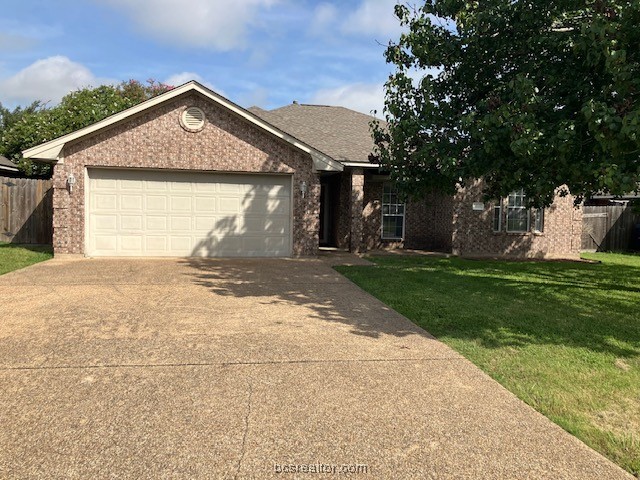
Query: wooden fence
{"type": "Point", "coordinates": [608, 228]}
{"type": "Point", "coordinates": [26, 210]}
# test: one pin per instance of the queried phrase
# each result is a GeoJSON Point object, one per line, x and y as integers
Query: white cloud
{"type": "Point", "coordinates": [373, 17]}
{"type": "Point", "coordinates": [324, 17]}
{"type": "Point", "coordinates": [48, 79]}
{"type": "Point", "coordinates": [181, 78]}
{"type": "Point", "coordinates": [220, 25]}
{"type": "Point", "coordinates": [363, 97]}
{"type": "Point", "coordinates": [370, 18]}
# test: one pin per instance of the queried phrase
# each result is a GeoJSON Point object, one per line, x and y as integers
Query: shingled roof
{"type": "Point", "coordinates": [341, 133]}
{"type": "Point", "coordinates": [7, 165]}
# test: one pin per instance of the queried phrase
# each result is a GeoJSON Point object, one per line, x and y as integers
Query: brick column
{"type": "Point", "coordinates": [357, 206]}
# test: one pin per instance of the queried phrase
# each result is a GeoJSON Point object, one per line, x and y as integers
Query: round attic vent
{"type": "Point", "coordinates": [192, 119]}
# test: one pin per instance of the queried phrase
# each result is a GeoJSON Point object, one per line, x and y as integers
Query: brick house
{"type": "Point", "coordinates": [189, 173]}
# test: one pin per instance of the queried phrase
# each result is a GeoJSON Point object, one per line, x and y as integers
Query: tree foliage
{"type": "Point", "coordinates": [524, 94]}
{"type": "Point", "coordinates": [23, 128]}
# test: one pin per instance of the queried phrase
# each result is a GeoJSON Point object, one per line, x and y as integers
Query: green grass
{"type": "Point", "coordinates": [562, 336]}
{"type": "Point", "coordinates": [13, 257]}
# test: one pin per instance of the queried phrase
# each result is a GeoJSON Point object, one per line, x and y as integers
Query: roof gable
{"type": "Point", "coordinates": [52, 150]}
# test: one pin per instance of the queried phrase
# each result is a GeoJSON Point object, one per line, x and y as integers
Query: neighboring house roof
{"type": "Point", "coordinates": [7, 165]}
{"type": "Point", "coordinates": [51, 150]}
{"type": "Point", "coordinates": [341, 133]}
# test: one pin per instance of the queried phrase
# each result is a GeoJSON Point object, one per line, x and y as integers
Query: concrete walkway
{"type": "Point", "coordinates": [244, 369]}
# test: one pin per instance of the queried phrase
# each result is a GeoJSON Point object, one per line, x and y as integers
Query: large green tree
{"type": "Point", "coordinates": [23, 128]}
{"type": "Point", "coordinates": [524, 94]}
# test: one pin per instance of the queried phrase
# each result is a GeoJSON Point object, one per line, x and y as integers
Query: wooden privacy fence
{"type": "Point", "coordinates": [26, 210]}
{"type": "Point", "coordinates": [610, 227]}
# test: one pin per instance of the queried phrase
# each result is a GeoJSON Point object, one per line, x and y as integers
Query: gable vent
{"type": "Point", "coordinates": [192, 119]}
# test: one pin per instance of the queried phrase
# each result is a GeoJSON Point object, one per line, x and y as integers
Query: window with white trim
{"type": "Point", "coordinates": [497, 217]}
{"type": "Point", "coordinates": [392, 213]}
{"type": "Point", "coordinates": [518, 218]}
{"type": "Point", "coordinates": [538, 220]}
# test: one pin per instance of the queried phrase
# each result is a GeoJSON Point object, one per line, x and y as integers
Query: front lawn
{"type": "Point", "coordinates": [564, 337]}
{"type": "Point", "coordinates": [13, 257]}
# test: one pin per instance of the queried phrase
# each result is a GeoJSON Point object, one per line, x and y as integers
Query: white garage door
{"type": "Point", "coordinates": [158, 213]}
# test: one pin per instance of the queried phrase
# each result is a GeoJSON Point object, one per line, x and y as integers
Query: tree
{"type": "Point", "coordinates": [524, 94]}
{"type": "Point", "coordinates": [27, 127]}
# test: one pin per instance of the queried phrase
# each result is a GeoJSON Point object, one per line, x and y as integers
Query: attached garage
{"type": "Point", "coordinates": [186, 173]}
{"type": "Point", "coordinates": [171, 213]}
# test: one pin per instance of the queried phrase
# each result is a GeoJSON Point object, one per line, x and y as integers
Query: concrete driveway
{"type": "Point", "coordinates": [246, 369]}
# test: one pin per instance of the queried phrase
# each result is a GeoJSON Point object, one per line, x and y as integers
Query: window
{"type": "Point", "coordinates": [518, 217]}
{"type": "Point", "coordinates": [497, 217]}
{"type": "Point", "coordinates": [538, 223]}
{"type": "Point", "coordinates": [392, 213]}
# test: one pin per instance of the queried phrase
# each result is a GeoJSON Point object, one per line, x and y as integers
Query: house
{"type": "Point", "coordinates": [7, 167]}
{"type": "Point", "coordinates": [190, 173]}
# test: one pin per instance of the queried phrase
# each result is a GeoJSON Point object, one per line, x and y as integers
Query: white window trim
{"type": "Point", "coordinates": [498, 206]}
{"type": "Point", "coordinates": [404, 218]}
{"type": "Point", "coordinates": [539, 214]}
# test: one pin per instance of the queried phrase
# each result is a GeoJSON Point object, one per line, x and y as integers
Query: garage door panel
{"type": "Point", "coordinates": [180, 244]}
{"type": "Point", "coordinates": [131, 222]}
{"type": "Point", "coordinates": [274, 244]}
{"type": "Point", "coordinates": [234, 188]}
{"type": "Point", "coordinates": [106, 243]}
{"type": "Point", "coordinates": [229, 205]}
{"type": "Point", "coordinates": [130, 243]}
{"type": "Point", "coordinates": [106, 201]}
{"type": "Point", "coordinates": [130, 202]}
{"type": "Point", "coordinates": [156, 203]}
{"type": "Point", "coordinates": [180, 204]}
{"type": "Point", "coordinates": [180, 224]}
{"type": "Point", "coordinates": [267, 206]}
{"type": "Point", "coordinates": [205, 204]}
{"type": "Point", "coordinates": [205, 224]}
{"type": "Point", "coordinates": [156, 223]}
{"type": "Point", "coordinates": [206, 187]}
{"type": "Point", "coordinates": [104, 183]}
{"type": "Point", "coordinates": [156, 245]}
{"type": "Point", "coordinates": [180, 186]}
{"type": "Point", "coordinates": [155, 186]}
{"type": "Point", "coordinates": [154, 213]}
{"type": "Point", "coordinates": [269, 191]}
{"type": "Point", "coordinates": [135, 185]}
{"type": "Point", "coordinates": [106, 222]}
{"type": "Point", "coordinates": [265, 226]}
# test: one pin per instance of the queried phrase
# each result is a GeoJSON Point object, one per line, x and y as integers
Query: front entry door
{"type": "Point", "coordinates": [325, 215]}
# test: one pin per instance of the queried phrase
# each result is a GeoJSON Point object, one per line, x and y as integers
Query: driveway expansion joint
{"type": "Point", "coordinates": [243, 448]}
{"type": "Point", "coordinates": [228, 364]}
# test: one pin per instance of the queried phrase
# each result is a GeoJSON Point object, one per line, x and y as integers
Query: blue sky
{"type": "Point", "coordinates": [255, 52]}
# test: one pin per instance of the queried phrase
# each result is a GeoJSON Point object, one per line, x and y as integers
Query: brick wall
{"type": "Point", "coordinates": [427, 223]}
{"type": "Point", "coordinates": [430, 224]}
{"type": "Point", "coordinates": [155, 139]}
{"type": "Point", "coordinates": [473, 230]}
{"type": "Point", "coordinates": [445, 223]}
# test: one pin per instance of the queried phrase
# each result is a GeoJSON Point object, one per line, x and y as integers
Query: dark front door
{"type": "Point", "coordinates": [326, 215]}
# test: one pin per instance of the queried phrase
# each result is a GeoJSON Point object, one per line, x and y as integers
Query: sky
{"type": "Point", "coordinates": [255, 52]}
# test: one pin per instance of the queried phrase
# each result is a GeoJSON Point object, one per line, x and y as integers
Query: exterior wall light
{"type": "Point", "coordinates": [303, 189]}
{"type": "Point", "coordinates": [71, 181]}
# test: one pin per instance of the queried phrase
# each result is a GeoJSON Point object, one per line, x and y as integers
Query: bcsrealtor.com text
{"type": "Point", "coordinates": [322, 468]}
